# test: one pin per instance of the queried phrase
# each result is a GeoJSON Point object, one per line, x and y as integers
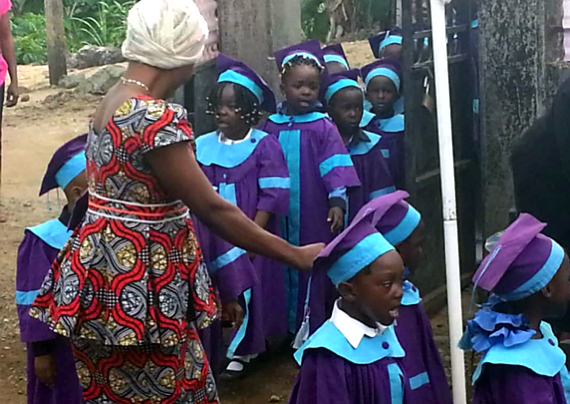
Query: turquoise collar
{"type": "Point", "coordinates": [210, 151]}
{"type": "Point", "coordinates": [370, 350]}
{"type": "Point", "coordinates": [363, 147]}
{"type": "Point", "coordinates": [306, 118]}
{"type": "Point", "coordinates": [542, 356]}
{"type": "Point", "coordinates": [394, 124]}
{"type": "Point", "coordinates": [53, 232]}
{"type": "Point", "coordinates": [411, 295]}
{"type": "Point", "coordinates": [367, 118]}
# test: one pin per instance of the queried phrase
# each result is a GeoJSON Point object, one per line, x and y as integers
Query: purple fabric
{"type": "Point", "coordinates": [414, 332]}
{"type": "Point", "coordinates": [312, 47]}
{"type": "Point", "coordinates": [319, 140]}
{"type": "Point", "coordinates": [374, 175]}
{"type": "Point", "coordinates": [394, 142]}
{"type": "Point", "coordinates": [389, 63]}
{"type": "Point", "coordinates": [501, 384]}
{"type": "Point", "coordinates": [326, 378]}
{"type": "Point", "coordinates": [212, 339]}
{"type": "Point", "coordinates": [267, 312]}
{"type": "Point", "coordinates": [59, 158]}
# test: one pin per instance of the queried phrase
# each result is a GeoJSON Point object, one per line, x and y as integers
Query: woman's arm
{"type": "Point", "coordinates": [181, 176]}
{"type": "Point", "coordinates": [9, 53]}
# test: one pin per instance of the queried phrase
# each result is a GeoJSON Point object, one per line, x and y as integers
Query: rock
{"type": "Point", "coordinates": [275, 399]}
{"type": "Point", "coordinates": [71, 81]}
{"type": "Point", "coordinates": [100, 82]}
{"type": "Point", "coordinates": [24, 90]}
{"type": "Point", "coordinates": [25, 98]}
{"type": "Point", "coordinates": [91, 55]}
{"type": "Point", "coordinates": [55, 101]}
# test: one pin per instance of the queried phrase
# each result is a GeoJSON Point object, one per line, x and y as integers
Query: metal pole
{"type": "Point", "coordinates": [446, 162]}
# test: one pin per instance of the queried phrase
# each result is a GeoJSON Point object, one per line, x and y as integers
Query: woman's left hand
{"type": "Point", "coordinates": [12, 95]}
{"type": "Point", "coordinates": [233, 312]}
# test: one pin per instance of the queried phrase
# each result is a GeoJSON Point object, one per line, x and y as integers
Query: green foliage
{"type": "Point", "coordinates": [29, 34]}
{"type": "Point", "coordinates": [314, 19]}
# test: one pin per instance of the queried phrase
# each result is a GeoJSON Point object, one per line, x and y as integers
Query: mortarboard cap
{"type": "Point", "coordinates": [66, 163]}
{"type": "Point", "coordinates": [310, 49]}
{"type": "Point", "coordinates": [339, 81]}
{"type": "Point", "coordinates": [335, 53]}
{"type": "Point", "coordinates": [379, 42]}
{"type": "Point", "coordinates": [387, 67]}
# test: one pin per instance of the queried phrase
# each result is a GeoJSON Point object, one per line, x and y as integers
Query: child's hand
{"type": "Point", "coordinates": [44, 367]}
{"type": "Point", "coordinates": [233, 313]}
{"type": "Point", "coordinates": [336, 219]}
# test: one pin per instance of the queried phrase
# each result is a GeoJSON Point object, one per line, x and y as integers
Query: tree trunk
{"type": "Point", "coordinates": [55, 39]}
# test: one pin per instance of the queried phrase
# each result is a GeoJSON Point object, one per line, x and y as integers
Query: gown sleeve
{"type": "Point", "coordinates": [273, 178]}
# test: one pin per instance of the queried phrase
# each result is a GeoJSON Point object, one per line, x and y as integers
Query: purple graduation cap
{"type": "Point", "coordinates": [387, 67]}
{"type": "Point", "coordinates": [522, 262]}
{"type": "Point", "coordinates": [353, 249]}
{"type": "Point", "coordinates": [379, 42]}
{"type": "Point", "coordinates": [310, 50]}
{"type": "Point", "coordinates": [339, 81]}
{"type": "Point", "coordinates": [335, 53]}
{"type": "Point", "coordinates": [237, 72]}
{"type": "Point", "coordinates": [66, 163]}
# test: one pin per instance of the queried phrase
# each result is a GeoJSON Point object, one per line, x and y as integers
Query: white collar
{"type": "Point", "coordinates": [223, 139]}
{"type": "Point", "coordinates": [352, 329]}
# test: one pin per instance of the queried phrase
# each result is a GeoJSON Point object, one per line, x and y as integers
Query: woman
{"type": "Point", "coordinates": [7, 59]}
{"type": "Point", "coordinates": [130, 287]}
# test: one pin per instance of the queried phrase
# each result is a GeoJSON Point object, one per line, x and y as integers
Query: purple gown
{"type": "Point", "coordinates": [392, 143]}
{"type": "Point", "coordinates": [372, 169]}
{"type": "Point", "coordinates": [253, 175]}
{"type": "Point", "coordinates": [423, 364]}
{"type": "Point", "coordinates": [318, 164]}
{"type": "Point", "coordinates": [36, 253]}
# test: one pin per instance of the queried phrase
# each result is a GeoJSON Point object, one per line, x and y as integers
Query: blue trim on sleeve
{"type": "Point", "coordinates": [26, 298]}
{"type": "Point", "coordinates": [210, 151]}
{"type": "Point", "coordinates": [396, 378]}
{"type": "Point", "coordinates": [53, 233]}
{"type": "Point", "coordinates": [71, 169]}
{"type": "Point", "coordinates": [230, 76]}
{"type": "Point", "coordinates": [225, 259]}
{"type": "Point", "coordinates": [382, 192]}
{"type": "Point", "coordinates": [274, 182]}
{"type": "Point", "coordinates": [240, 334]}
{"type": "Point", "coordinates": [338, 160]}
{"type": "Point", "coordinates": [419, 380]}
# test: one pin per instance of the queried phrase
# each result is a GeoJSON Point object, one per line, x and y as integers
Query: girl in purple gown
{"type": "Point", "coordinates": [321, 171]}
{"type": "Point", "coordinates": [335, 59]}
{"type": "Point", "coordinates": [528, 276]}
{"type": "Point", "coordinates": [383, 80]}
{"type": "Point", "coordinates": [52, 378]}
{"type": "Point", "coordinates": [247, 167]}
{"type": "Point", "coordinates": [402, 227]}
{"type": "Point", "coordinates": [344, 100]}
{"type": "Point", "coordinates": [355, 357]}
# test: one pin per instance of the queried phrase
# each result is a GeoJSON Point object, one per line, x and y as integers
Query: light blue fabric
{"type": "Point", "coordinates": [399, 105]}
{"type": "Point", "coordinates": [290, 141]}
{"type": "Point", "coordinates": [335, 161]}
{"type": "Point", "coordinates": [358, 258]}
{"type": "Point", "coordinates": [26, 298]}
{"type": "Point", "coordinates": [53, 233]}
{"type": "Point", "coordinates": [475, 23]}
{"type": "Point", "coordinates": [369, 350]}
{"type": "Point", "coordinates": [240, 334]}
{"type": "Point", "coordinates": [230, 76]}
{"type": "Point", "coordinates": [70, 170]}
{"type": "Point", "coordinates": [362, 148]}
{"type": "Point", "coordinates": [367, 117]}
{"type": "Point", "coordinates": [292, 119]}
{"type": "Point", "coordinates": [565, 379]}
{"type": "Point", "coordinates": [476, 106]}
{"type": "Point", "coordinates": [541, 278]}
{"type": "Point", "coordinates": [411, 297]}
{"type": "Point", "coordinates": [394, 124]}
{"type": "Point", "coordinates": [419, 380]}
{"type": "Point", "coordinates": [396, 378]}
{"type": "Point", "coordinates": [405, 228]}
{"type": "Point", "coordinates": [210, 151]}
{"type": "Point", "coordinates": [537, 355]}
{"type": "Point", "coordinates": [340, 85]}
{"type": "Point", "coordinates": [386, 153]}
{"type": "Point", "coordinates": [304, 54]}
{"type": "Point", "coordinates": [228, 192]}
{"type": "Point", "coordinates": [382, 192]}
{"type": "Point", "coordinates": [390, 40]}
{"type": "Point", "coordinates": [225, 259]}
{"type": "Point", "coordinates": [339, 192]}
{"type": "Point", "coordinates": [338, 59]}
{"type": "Point", "coordinates": [274, 182]}
{"type": "Point", "coordinates": [383, 72]}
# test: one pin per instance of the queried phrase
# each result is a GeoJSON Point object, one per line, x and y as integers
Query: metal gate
{"type": "Point", "coordinates": [422, 158]}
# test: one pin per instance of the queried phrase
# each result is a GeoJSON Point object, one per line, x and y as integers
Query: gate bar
{"type": "Point", "coordinates": [450, 232]}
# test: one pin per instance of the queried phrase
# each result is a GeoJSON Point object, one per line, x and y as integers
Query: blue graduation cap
{"type": "Point", "coordinates": [335, 53]}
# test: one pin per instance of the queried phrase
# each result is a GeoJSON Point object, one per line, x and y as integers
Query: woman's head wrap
{"type": "Point", "coordinates": [165, 33]}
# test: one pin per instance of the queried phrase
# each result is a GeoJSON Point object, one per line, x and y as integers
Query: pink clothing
{"type": "Point", "coordinates": [5, 6]}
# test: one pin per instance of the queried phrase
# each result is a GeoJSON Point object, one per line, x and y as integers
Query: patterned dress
{"type": "Point", "coordinates": [130, 287]}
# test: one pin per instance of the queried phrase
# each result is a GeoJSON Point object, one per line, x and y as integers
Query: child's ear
{"type": "Point", "coordinates": [346, 291]}
{"type": "Point", "coordinates": [282, 87]}
{"type": "Point", "coordinates": [547, 291]}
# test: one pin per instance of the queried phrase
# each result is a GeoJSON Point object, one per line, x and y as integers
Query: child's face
{"type": "Point", "coordinates": [301, 88]}
{"type": "Point", "coordinates": [381, 93]}
{"type": "Point", "coordinates": [228, 118]}
{"type": "Point", "coordinates": [75, 189]}
{"type": "Point", "coordinates": [558, 291]}
{"type": "Point", "coordinates": [346, 108]}
{"type": "Point", "coordinates": [411, 249]}
{"type": "Point", "coordinates": [335, 67]}
{"type": "Point", "coordinates": [393, 51]}
{"type": "Point", "coordinates": [378, 292]}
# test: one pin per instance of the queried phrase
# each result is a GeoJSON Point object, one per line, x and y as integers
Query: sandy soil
{"type": "Point", "coordinates": [31, 133]}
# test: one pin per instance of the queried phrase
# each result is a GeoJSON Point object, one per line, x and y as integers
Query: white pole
{"type": "Point", "coordinates": [446, 162]}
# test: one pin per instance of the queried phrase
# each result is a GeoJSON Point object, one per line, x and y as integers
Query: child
{"type": "Point", "coordinates": [320, 171]}
{"type": "Point", "coordinates": [382, 79]}
{"type": "Point", "coordinates": [387, 44]}
{"type": "Point", "coordinates": [246, 167]}
{"type": "Point", "coordinates": [355, 357]}
{"type": "Point", "coordinates": [335, 59]}
{"type": "Point", "coordinates": [52, 378]}
{"type": "Point", "coordinates": [528, 275]}
{"type": "Point", "coordinates": [402, 226]}
{"type": "Point", "coordinates": [344, 100]}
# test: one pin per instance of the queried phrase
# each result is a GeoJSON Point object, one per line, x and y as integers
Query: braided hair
{"type": "Point", "coordinates": [247, 105]}
{"type": "Point", "coordinates": [299, 60]}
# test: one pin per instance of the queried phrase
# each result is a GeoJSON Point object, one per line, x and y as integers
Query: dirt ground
{"type": "Point", "coordinates": [32, 132]}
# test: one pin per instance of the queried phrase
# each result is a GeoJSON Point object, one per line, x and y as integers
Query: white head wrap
{"type": "Point", "coordinates": [165, 33]}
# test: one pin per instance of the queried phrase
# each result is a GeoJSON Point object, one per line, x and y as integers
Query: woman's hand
{"type": "Point", "coordinates": [233, 313]}
{"type": "Point", "coordinates": [44, 367]}
{"type": "Point", "coordinates": [307, 255]}
{"type": "Point", "coordinates": [12, 95]}
{"type": "Point", "coordinates": [336, 219]}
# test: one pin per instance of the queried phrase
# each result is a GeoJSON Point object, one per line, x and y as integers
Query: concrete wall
{"type": "Point", "coordinates": [517, 43]}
